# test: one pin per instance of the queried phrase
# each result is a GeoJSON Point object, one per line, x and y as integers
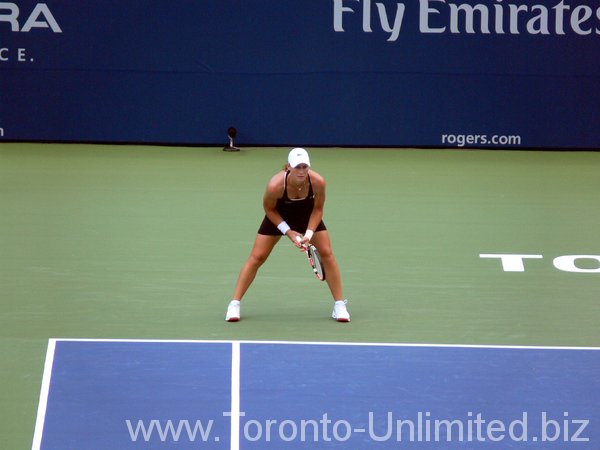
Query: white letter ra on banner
{"type": "Point", "coordinates": [9, 12]}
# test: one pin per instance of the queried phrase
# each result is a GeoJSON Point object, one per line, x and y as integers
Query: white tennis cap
{"type": "Point", "coordinates": [298, 156]}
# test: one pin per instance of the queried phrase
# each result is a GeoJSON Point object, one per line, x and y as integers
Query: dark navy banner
{"type": "Point", "coordinates": [466, 73]}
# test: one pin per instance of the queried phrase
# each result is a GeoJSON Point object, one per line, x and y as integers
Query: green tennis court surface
{"type": "Point", "coordinates": [146, 243]}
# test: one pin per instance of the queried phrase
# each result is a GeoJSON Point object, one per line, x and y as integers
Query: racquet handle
{"type": "Point", "coordinates": [298, 240]}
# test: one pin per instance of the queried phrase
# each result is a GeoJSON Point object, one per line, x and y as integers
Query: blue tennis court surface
{"type": "Point", "coordinates": [259, 395]}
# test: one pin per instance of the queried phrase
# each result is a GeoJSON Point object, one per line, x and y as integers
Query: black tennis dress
{"type": "Point", "coordinates": [296, 212]}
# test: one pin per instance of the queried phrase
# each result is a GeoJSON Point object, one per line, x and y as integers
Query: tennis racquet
{"type": "Point", "coordinates": [314, 260]}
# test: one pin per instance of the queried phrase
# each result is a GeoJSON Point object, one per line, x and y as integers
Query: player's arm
{"type": "Point", "coordinates": [272, 194]}
{"type": "Point", "coordinates": [318, 183]}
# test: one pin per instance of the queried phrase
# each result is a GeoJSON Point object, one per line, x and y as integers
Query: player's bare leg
{"type": "Point", "coordinates": [332, 271]}
{"type": "Point", "coordinates": [332, 275]}
{"type": "Point", "coordinates": [263, 245]}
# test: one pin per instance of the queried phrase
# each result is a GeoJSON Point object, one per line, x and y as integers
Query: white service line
{"type": "Point", "coordinates": [235, 396]}
{"type": "Point", "coordinates": [44, 392]}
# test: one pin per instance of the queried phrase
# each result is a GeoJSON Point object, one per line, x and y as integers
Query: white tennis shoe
{"type": "Point", "coordinates": [233, 311]}
{"type": "Point", "coordinates": [340, 313]}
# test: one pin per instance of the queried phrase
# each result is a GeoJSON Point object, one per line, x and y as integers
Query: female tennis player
{"type": "Point", "coordinates": [293, 204]}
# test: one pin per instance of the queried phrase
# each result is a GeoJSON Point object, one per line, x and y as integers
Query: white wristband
{"type": "Point", "coordinates": [283, 227]}
{"type": "Point", "coordinates": [309, 234]}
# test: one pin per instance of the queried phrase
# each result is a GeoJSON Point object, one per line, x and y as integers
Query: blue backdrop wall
{"type": "Point", "coordinates": [473, 73]}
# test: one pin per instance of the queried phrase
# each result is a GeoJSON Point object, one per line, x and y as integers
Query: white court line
{"type": "Point", "coordinates": [44, 392]}
{"type": "Point", "coordinates": [235, 396]}
{"type": "Point", "coordinates": [361, 344]}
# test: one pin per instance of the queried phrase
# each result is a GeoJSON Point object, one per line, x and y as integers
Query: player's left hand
{"type": "Point", "coordinates": [301, 242]}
